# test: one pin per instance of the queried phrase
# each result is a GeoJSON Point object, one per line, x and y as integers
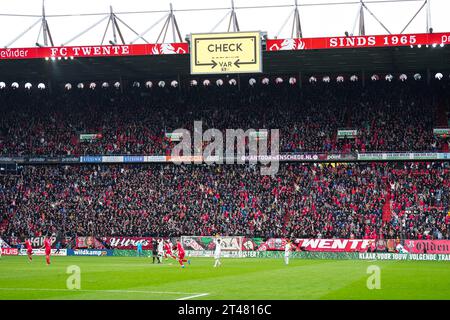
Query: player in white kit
{"type": "Point", "coordinates": [160, 250]}
{"type": "Point", "coordinates": [217, 253]}
{"type": "Point", "coordinates": [287, 251]}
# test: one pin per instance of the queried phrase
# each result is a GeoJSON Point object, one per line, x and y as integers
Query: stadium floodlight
{"type": "Point", "coordinates": [136, 84]}
{"type": "Point", "coordinates": [174, 83]}
{"type": "Point", "coordinates": [417, 77]}
{"type": "Point", "coordinates": [59, 58]}
{"type": "Point", "coordinates": [265, 81]}
{"type": "Point", "coordinates": [403, 77]}
{"type": "Point", "coordinates": [47, 58]}
{"type": "Point", "coordinates": [389, 77]}
{"type": "Point", "coordinates": [53, 58]}
{"type": "Point", "coordinates": [292, 80]}
{"type": "Point", "coordinates": [419, 46]}
{"type": "Point", "coordinates": [340, 79]}
{"type": "Point", "coordinates": [252, 81]}
{"type": "Point", "coordinates": [41, 86]}
{"type": "Point", "coordinates": [28, 86]}
{"type": "Point", "coordinates": [194, 83]}
{"type": "Point", "coordinates": [14, 85]}
{"type": "Point", "coordinates": [105, 85]}
{"type": "Point", "coordinates": [219, 82]}
{"type": "Point", "coordinates": [2, 85]}
{"type": "Point", "coordinates": [325, 79]}
{"type": "Point", "coordinates": [375, 77]}
{"type": "Point", "coordinates": [117, 85]}
{"type": "Point", "coordinates": [434, 45]}
{"type": "Point", "coordinates": [71, 57]}
{"type": "Point", "coordinates": [206, 82]}
{"type": "Point", "coordinates": [438, 76]}
{"type": "Point", "coordinates": [80, 85]}
{"type": "Point", "coordinates": [161, 84]}
{"type": "Point", "coordinates": [312, 79]}
{"type": "Point", "coordinates": [232, 82]}
{"type": "Point", "coordinates": [68, 86]}
{"type": "Point", "coordinates": [279, 80]}
{"type": "Point", "coordinates": [149, 84]}
{"type": "Point", "coordinates": [442, 45]}
{"type": "Point", "coordinates": [354, 78]}
{"type": "Point", "coordinates": [92, 85]}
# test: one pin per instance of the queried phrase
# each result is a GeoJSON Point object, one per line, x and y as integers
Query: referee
{"type": "Point", "coordinates": [154, 250]}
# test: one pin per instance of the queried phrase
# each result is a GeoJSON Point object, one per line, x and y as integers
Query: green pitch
{"type": "Point", "coordinates": [138, 278]}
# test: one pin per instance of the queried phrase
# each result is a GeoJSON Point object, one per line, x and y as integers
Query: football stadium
{"type": "Point", "coordinates": [225, 150]}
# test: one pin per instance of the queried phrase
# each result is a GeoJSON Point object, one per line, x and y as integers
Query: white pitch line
{"type": "Point", "coordinates": [108, 291]}
{"type": "Point", "coordinates": [194, 296]}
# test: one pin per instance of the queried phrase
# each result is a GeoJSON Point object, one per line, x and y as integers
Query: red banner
{"type": "Point", "coordinates": [321, 245]}
{"type": "Point", "coordinates": [94, 51]}
{"type": "Point", "coordinates": [128, 243]}
{"type": "Point", "coordinates": [394, 40]}
{"type": "Point", "coordinates": [427, 246]}
{"type": "Point", "coordinates": [10, 251]}
{"type": "Point", "coordinates": [88, 243]}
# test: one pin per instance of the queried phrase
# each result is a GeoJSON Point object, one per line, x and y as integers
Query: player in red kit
{"type": "Point", "coordinates": [181, 254]}
{"type": "Point", "coordinates": [48, 249]}
{"type": "Point", "coordinates": [29, 249]}
{"type": "Point", "coordinates": [168, 250]}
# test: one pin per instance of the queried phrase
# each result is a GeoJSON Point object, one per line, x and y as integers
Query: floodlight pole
{"type": "Point", "coordinates": [115, 27]}
{"type": "Point", "coordinates": [233, 19]}
{"type": "Point", "coordinates": [426, 2]}
{"type": "Point", "coordinates": [171, 20]}
{"type": "Point", "coordinates": [362, 26]}
{"type": "Point", "coordinates": [375, 17]}
{"type": "Point", "coordinates": [45, 28]}
{"type": "Point", "coordinates": [296, 25]}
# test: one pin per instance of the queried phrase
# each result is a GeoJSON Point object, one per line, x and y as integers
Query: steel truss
{"type": "Point", "coordinates": [114, 22]}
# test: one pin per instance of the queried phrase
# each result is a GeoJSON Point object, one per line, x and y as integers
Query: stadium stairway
{"type": "Point", "coordinates": [387, 208]}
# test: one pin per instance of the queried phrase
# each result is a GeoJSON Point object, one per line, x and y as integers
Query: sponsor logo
{"type": "Point", "coordinates": [9, 251]}
{"type": "Point", "coordinates": [85, 252]}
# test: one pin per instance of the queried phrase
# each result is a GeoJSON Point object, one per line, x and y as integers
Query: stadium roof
{"type": "Point", "coordinates": [308, 62]}
{"type": "Point", "coordinates": [307, 57]}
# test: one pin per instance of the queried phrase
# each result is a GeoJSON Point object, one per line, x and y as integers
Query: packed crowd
{"type": "Point", "coordinates": [388, 117]}
{"type": "Point", "coordinates": [360, 200]}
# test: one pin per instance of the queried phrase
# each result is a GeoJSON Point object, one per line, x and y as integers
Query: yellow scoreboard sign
{"type": "Point", "coordinates": [233, 52]}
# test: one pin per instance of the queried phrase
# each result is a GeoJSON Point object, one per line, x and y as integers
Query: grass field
{"type": "Point", "coordinates": [137, 278]}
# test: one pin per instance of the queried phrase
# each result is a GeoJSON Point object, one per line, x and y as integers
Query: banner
{"type": "Point", "coordinates": [88, 243]}
{"type": "Point", "coordinates": [174, 136]}
{"type": "Point", "coordinates": [393, 40]}
{"type": "Point", "coordinates": [89, 137]}
{"type": "Point", "coordinates": [427, 246]}
{"type": "Point", "coordinates": [89, 252]}
{"type": "Point", "coordinates": [4, 244]}
{"type": "Point", "coordinates": [128, 243]}
{"type": "Point", "coordinates": [131, 253]}
{"type": "Point", "coordinates": [336, 245]}
{"type": "Point", "coordinates": [41, 252]}
{"type": "Point", "coordinates": [39, 241]}
{"type": "Point", "coordinates": [9, 251]}
{"type": "Point", "coordinates": [94, 51]}
{"type": "Point", "coordinates": [347, 134]}
{"type": "Point", "coordinates": [199, 243]}
{"type": "Point", "coordinates": [441, 132]}
{"type": "Point", "coordinates": [404, 256]}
